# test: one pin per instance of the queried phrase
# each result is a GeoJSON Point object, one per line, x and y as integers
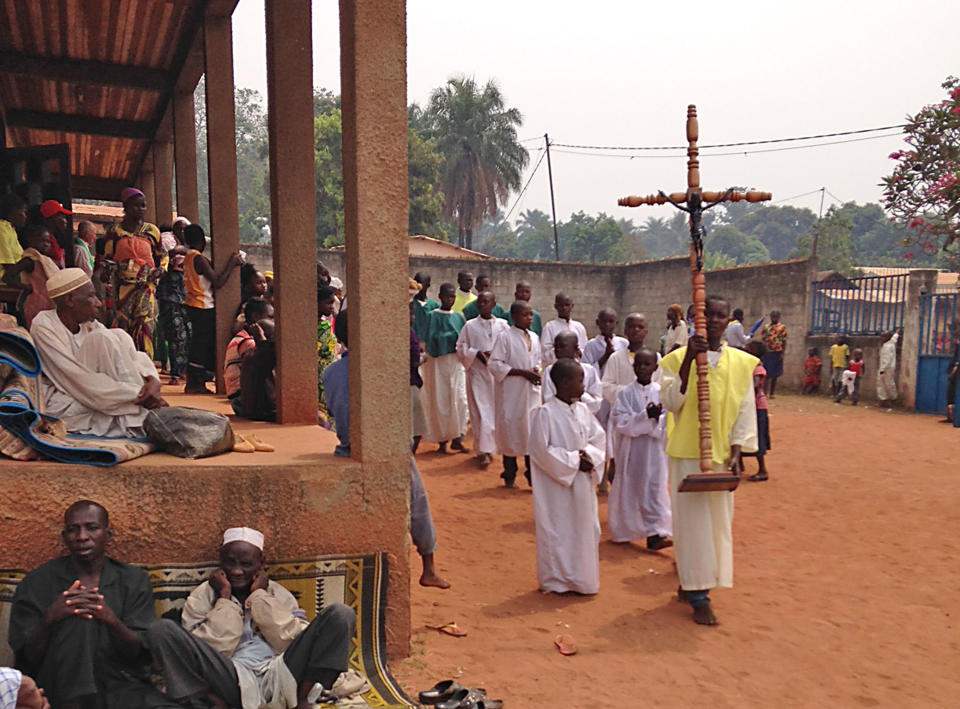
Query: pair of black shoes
{"type": "Point", "coordinates": [510, 481]}
{"type": "Point", "coordinates": [450, 694]}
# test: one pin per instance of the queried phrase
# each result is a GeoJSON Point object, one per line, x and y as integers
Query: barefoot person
{"type": "Point", "coordinates": [243, 640]}
{"type": "Point", "coordinates": [639, 506]}
{"type": "Point", "coordinates": [77, 622]}
{"type": "Point", "coordinates": [444, 381]}
{"type": "Point", "coordinates": [703, 521]}
{"type": "Point", "coordinates": [474, 347]}
{"type": "Point", "coordinates": [567, 450]}
{"type": "Point", "coordinates": [94, 379]}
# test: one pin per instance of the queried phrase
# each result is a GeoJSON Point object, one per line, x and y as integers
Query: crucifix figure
{"type": "Point", "coordinates": [696, 201]}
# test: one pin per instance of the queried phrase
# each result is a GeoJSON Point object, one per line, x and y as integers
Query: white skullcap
{"type": "Point", "coordinates": [244, 534]}
{"type": "Point", "coordinates": [183, 220]}
{"type": "Point", "coordinates": [336, 283]}
{"type": "Point", "coordinates": [66, 281]}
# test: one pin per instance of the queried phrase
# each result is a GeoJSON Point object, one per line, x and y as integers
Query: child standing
{"type": "Point", "coordinates": [639, 497]}
{"type": "Point", "coordinates": [515, 365]}
{"type": "Point", "coordinates": [566, 347]}
{"type": "Point", "coordinates": [172, 322]}
{"type": "Point", "coordinates": [850, 381]}
{"type": "Point", "coordinates": [567, 453]}
{"type": "Point", "coordinates": [811, 371]}
{"type": "Point", "coordinates": [200, 281]}
{"type": "Point", "coordinates": [37, 267]}
{"type": "Point", "coordinates": [474, 347]}
{"type": "Point", "coordinates": [758, 349]}
{"type": "Point", "coordinates": [524, 292]}
{"type": "Point", "coordinates": [444, 382]}
{"type": "Point", "coordinates": [839, 353]}
{"type": "Point", "coordinates": [563, 322]}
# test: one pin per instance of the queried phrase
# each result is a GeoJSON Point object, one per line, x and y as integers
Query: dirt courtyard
{"type": "Point", "coordinates": [845, 566]}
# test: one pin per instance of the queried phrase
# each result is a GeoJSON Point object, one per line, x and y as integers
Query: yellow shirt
{"type": "Point", "coordinates": [839, 355]}
{"type": "Point", "coordinates": [10, 249]}
{"type": "Point", "coordinates": [462, 300]}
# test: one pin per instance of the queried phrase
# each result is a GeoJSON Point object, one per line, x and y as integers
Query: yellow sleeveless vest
{"type": "Point", "coordinates": [728, 382]}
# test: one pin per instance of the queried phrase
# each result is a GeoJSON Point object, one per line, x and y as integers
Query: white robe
{"type": "Point", "coordinates": [479, 335]}
{"type": "Point", "coordinates": [616, 375]}
{"type": "Point", "coordinates": [886, 373]}
{"type": "Point", "coordinates": [91, 379]}
{"type": "Point", "coordinates": [554, 328]}
{"type": "Point", "coordinates": [639, 504]}
{"type": "Point", "coordinates": [564, 501]}
{"type": "Point", "coordinates": [515, 396]}
{"type": "Point", "coordinates": [593, 353]}
{"type": "Point", "coordinates": [592, 389]}
{"type": "Point", "coordinates": [444, 397]}
{"type": "Point", "coordinates": [703, 521]}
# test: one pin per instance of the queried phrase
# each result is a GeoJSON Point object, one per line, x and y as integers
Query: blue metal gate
{"type": "Point", "coordinates": [939, 325]}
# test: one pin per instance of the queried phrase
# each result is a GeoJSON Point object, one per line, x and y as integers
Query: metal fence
{"type": "Point", "coordinates": [939, 317]}
{"type": "Point", "coordinates": [858, 306]}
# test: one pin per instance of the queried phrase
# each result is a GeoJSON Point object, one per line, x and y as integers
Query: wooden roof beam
{"type": "Point", "coordinates": [87, 187]}
{"type": "Point", "coordinates": [84, 72]}
{"type": "Point", "coordinates": [86, 125]}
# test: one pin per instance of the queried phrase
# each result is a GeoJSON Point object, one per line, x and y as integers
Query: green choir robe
{"type": "Point", "coordinates": [537, 325]}
{"type": "Point", "coordinates": [470, 311]}
{"type": "Point", "coordinates": [443, 329]}
{"type": "Point", "coordinates": [421, 315]}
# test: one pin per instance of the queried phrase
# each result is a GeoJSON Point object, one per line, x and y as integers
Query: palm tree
{"type": "Point", "coordinates": [477, 135]}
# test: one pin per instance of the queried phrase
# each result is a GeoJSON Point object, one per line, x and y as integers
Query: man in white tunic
{"type": "Point", "coordinates": [566, 347]}
{"type": "Point", "coordinates": [563, 322]}
{"type": "Point", "coordinates": [639, 497]}
{"type": "Point", "coordinates": [474, 347]}
{"type": "Point", "coordinates": [567, 453]}
{"type": "Point", "coordinates": [703, 521]}
{"type": "Point", "coordinates": [94, 379]}
{"type": "Point", "coordinates": [887, 371]}
{"type": "Point", "coordinates": [515, 365]}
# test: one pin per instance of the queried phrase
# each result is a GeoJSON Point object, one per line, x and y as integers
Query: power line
{"type": "Point", "coordinates": [536, 167]}
{"type": "Point", "coordinates": [796, 196]}
{"type": "Point", "coordinates": [834, 197]}
{"type": "Point", "coordinates": [729, 145]}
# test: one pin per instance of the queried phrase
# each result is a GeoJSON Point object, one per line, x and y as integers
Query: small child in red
{"type": "Point", "coordinates": [811, 371]}
{"type": "Point", "coordinates": [850, 382]}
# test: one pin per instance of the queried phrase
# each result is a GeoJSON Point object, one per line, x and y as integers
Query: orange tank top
{"type": "Point", "coordinates": [198, 291]}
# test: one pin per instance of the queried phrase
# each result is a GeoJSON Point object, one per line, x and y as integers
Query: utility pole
{"type": "Point", "coordinates": [816, 231]}
{"type": "Point", "coordinates": [553, 206]}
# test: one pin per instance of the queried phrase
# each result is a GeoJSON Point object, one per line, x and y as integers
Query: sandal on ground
{"type": "Point", "coordinates": [477, 699]}
{"type": "Point", "coordinates": [259, 445]}
{"type": "Point", "coordinates": [440, 692]}
{"type": "Point", "coordinates": [565, 644]}
{"type": "Point", "coordinates": [241, 444]}
{"type": "Point", "coordinates": [456, 699]}
{"type": "Point", "coordinates": [758, 478]}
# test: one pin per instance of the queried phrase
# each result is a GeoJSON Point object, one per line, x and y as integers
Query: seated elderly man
{"type": "Point", "coordinates": [94, 378]}
{"type": "Point", "coordinates": [244, 641]}
{"type": "Point", "coordinates": [77, 622]}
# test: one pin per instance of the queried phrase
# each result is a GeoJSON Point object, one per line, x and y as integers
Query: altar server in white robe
{"type": "Point", "coordinates": [94, 379]}
{"type": "Point", "coordinates": [474, 347]}
{"type": "Point", "coordinates": [515, 365]}
{"type": "Point", "coordinates": [639, 505]}
{"type": "Point", "coordinates": [563, 322]}
{"type": "Point", "coordinates": [567, 454]}
{"type": "Point", "coordinates": [566, 346]}
{"type": "Point", "coordinates": [601, 348]}
{"type": "Point", "coordinates": [703, 521]}
{"type": "Point", "coordinates": [444, 382]}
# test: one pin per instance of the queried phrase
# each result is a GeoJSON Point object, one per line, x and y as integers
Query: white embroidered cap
{"type": "Point", "coordinates": [244, 534]}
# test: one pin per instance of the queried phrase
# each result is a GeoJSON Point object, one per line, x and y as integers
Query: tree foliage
{"type": "Point", "coordinates": [923, 191]}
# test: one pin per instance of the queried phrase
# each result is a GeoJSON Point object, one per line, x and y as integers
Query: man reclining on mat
{"type": "Point", "coordinates": [94, 379]}
{"type": "Point", "coordinates": [244, 641]}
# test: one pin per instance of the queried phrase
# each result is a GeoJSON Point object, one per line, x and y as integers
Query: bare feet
{"type": "Point", "coordinates": [703, 615]}
{"type": "Point", "coordinates": [434, 581]}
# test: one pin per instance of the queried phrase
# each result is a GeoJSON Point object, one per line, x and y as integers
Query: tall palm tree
{"type": "Point", "coordinates": [477, 134]}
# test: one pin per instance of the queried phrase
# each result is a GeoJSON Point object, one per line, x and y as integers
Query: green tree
{"type": "Point", "coordinates": [588, 239]}
{"type": "Point", "coordinates": [425, 166]}
{"type": "Point", "coordinates": [834, 246]}
{"type": "Point", "coordinates": [776, 227]}
{"type": "Point", "coordinates": [477, 135]}
{"type": "Point", "coordinates": [662, 238]}
{"type": "Point", "coordinates": [729, 240]}
{"type": "Point", "coordinates": [328, 164]}
{"type": "Point", "coordinates": [713, 260]}
{"type": "Point", "coordinates": [923, 191]}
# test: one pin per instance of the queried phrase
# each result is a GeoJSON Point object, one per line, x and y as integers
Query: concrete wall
{"type": "Point", "coordinates": [649, 287]}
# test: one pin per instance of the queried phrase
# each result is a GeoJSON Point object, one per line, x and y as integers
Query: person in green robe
{"type": "Point", "coordinates": [422, 305]}
{"type": "Point", "coordinates": [470, 310]}
{"type": "Point", "coordinates": [524, 293]}
{"type": "Point", "coordinates": [444, 379]}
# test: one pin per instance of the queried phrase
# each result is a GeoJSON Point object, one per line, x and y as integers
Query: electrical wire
{"type": "Point", "coordinates": [832, 195]}
{"type": "Point", "coordinates": [536, 167]}
{"type": "Point", "coordinates": [796, 196]}
{"type": "Point", "coordinates": [729, 145]}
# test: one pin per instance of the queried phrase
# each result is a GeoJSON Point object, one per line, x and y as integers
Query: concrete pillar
{"type": "Point", "coordinates": [163, 180]}
{"type": "Point", "coordinates": [373, 85]}
{"type": "Point", "coordinates": [148, 187]}
{"type": "Point", "coordinates": [185, 154]}
{"type": "Point", "coordinates": [222, 169]}
{"type": "Point", "coordinates": [293, 228]}
{"type": "Point", "coordinates": [920, 281]}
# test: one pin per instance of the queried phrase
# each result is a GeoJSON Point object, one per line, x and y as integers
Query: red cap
{"type": "Point", "coordinates": [52, 207]}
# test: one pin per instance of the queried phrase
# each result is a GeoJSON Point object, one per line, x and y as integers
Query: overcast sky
{"type": "Point", "coordinates": [622, 73]}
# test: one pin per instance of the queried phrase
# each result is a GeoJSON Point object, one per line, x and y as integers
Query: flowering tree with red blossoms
{"type": "Point", "coordinates": [923, 192]}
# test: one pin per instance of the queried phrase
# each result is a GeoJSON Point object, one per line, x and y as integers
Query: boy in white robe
{"type": "Point", "coordinates": [567, 453]}
{"type": "Point", "coordinates": [703, 521]}
{"type": "Point", "coordinates": [444, 382]}
{"type": "Point", "coordinates": [515, 365]}
{"type": "Point", "coordinates": [474, 347]}
{"type": "Point", "coordinates": [639, 497]}
{"type": "Point", "coordinates": [566, 347]}
{"type": "Point", "coordinates": [563, 322]}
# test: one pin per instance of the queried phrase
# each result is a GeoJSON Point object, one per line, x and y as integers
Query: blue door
{"type": "Point", "coordinates": [938, 323]}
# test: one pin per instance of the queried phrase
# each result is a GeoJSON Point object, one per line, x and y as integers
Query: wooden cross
{"type": "Point", "coordinates": [697, 201]}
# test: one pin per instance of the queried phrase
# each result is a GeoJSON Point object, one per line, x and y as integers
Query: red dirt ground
{"type": "Point", "coordinates": [845, 566]}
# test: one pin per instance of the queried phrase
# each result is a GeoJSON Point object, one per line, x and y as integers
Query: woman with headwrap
{"type": "Point", "coordinates": [676, 330]}
{"type": "Point", "coordinates": [133, 256]}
